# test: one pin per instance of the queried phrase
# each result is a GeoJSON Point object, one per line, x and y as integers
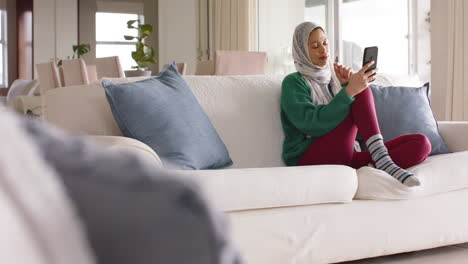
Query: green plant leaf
{"type": "Point", "coordinates": [146, 28]}
{"type": "Point", "coordinates": [80, 50]}
{"type": "Point", "coordinates": [144, 35]}
{"type": "Point", "coordinates": [143, 54]}
{"type": "Point", "coordinates": [131, 22]}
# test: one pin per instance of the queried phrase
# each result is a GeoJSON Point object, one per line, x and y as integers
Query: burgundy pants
{"type": "Point", "coordinates": [337, 146]}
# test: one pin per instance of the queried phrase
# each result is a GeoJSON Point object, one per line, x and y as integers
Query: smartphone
{"type": "Point", "coordinates": [370, 54]}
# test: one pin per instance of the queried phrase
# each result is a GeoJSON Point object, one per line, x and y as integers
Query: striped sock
{"type": "Point", "coordinates": [383, 161]}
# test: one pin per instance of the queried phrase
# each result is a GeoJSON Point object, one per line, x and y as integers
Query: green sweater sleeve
{"type": "Point", "coordinates": [312, 120]}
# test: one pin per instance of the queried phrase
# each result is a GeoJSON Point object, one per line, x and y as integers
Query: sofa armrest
{"type": "Point", "coordinates": [131, 145]}
{"type": "Point", "coordinates": [455, 134]}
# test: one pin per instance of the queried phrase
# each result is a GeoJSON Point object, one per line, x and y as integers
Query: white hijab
{"type": "Point", "coordinates": [317, 77]}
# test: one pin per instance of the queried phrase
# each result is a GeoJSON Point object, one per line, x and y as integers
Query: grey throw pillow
{"type": "Point", "coordinates": [163, 113]}
{"type": "Point", "coordinates": [133, 211]}
{"type": "Point", "coordinates": [407, 110]}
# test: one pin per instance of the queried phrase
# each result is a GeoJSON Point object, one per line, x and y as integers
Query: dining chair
{"type": "Point", "coordinates": [240, 63]}
{"type": "Point", "coordinates": [92, 73]}
{"type": "Point", "coordinates": [48, 76]}
{"type": "Point", "coordinates": [74, 72]}
{"type": "Point", "coordinates": [109, 67]}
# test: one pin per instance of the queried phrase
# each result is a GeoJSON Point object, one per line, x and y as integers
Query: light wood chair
{"type": "Point", "coordinates": [234, 63]}
{"type": "Point", "coordinates": [48, 76]}
{"type": "Point", "coordinates": [109, 67]}
{"type": "Point", "coordinates": [182, 68]}
{"type": "Point", "coordinates": [92, 73]}
{"type": "Point", "coordinates": [74, 72]}
{"type": "Point", "coordinates": [240, 63]}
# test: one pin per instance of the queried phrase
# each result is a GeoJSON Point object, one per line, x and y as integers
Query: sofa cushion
{"type": "Point", "coordinates": [406, 110]}
{"type": "Point", "coordinates": [438, 174]}
{"type": "Point", "coordinates": [163, 113]}
{"type": "Point", "coordinates": [81, 109]}
{"type": "Point", "coordinates": [257, 188]}
{"type": "Point", "coordinates": [36, 211]}
{"type": "Point", "coordinates": [245, 110]}
{"type": "Point", "coordinates": [134, 212]}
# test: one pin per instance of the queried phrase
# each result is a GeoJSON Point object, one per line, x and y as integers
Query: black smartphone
{"type": "Point", "coordinates": [370, 54]}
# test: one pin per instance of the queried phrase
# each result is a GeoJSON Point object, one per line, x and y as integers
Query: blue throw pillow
{"type": "Point", "coordinates": [162, 112]}
{"type": "Point", "coordinates": [407, 110]}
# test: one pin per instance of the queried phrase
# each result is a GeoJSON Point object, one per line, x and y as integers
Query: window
{"type": "Point", "coordinates": [316, 11]}
{"type": "Point", "coordinates": [398, 27]}
{"type": "Point", "coordinates": [3, 49]}
{"type": "Point", "coordinates": [110, 31]}
{"type": "Point", "coordinates": [383, 23]}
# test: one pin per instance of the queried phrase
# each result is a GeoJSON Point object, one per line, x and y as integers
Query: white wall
{"type": "Point", "coordinates": [87, 28]}
{"type": "Point", "coordinates": [151, 17]}
{"type": "Point", "coordinates": [277, 21]}
{"type": "Point", "coordinates": [55, 29]}
{"type": "Point", "coordinates": [178, 32]}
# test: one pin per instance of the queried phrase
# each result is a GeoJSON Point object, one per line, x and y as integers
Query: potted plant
{"type": "Point", "coordinates": [78, 51]}
{"type": "Point", "coordinates": [144, 54]}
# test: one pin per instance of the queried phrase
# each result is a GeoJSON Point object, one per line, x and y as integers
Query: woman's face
{"type": "Point", "coordinates": [318, 47]}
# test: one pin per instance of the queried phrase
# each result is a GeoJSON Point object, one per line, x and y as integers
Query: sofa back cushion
{"type": "Point", "coordinates": [82, 109]}
{"type": "Point", "coordinates": [245, 110]}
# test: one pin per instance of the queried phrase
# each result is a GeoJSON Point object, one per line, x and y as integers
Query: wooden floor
{"type": "Point", "coordinates": [456, 254]}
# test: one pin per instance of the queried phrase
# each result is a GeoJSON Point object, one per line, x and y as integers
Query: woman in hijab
{"type": "Point", "coordinates": [324, 105]}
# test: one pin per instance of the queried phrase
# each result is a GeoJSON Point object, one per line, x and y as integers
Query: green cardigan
{"type": "Point", "coordinates": [302, 120]}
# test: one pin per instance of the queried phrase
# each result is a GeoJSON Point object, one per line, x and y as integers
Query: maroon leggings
{"type": "Point", "coordinates": [337, 146]}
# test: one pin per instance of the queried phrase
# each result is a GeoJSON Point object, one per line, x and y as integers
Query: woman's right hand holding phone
{"type": "Point", "coordinates": [360, 80]}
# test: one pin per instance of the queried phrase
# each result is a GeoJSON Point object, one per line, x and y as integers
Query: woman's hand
{"type": "Point", "coordinates": [342, 73]}
{"type": "Point", "coordinates": [360, 80]}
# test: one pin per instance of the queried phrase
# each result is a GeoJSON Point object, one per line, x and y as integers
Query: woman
{"type": "Point", "coordinates": [323, 106]}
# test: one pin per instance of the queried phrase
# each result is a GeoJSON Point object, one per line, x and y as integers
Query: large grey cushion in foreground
{"type": "Point", "coordinates": [134, 213]}
{"type": "Point", "coordinates": [163, 113]}
{"type": "Point", "coordinates": [407, 110]}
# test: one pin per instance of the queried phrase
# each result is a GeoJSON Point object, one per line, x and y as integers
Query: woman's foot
{"type": "Point", "coordinates": [382, 161]}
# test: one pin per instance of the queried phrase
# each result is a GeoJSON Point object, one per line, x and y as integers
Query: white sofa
{"type": "Point", "coordinates": [311, 214]}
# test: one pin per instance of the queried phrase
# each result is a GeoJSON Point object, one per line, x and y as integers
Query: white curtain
{"type": "Point", "coordinates": [456, 100]}
{"type": "Point", "coordinates": [226, 25]}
